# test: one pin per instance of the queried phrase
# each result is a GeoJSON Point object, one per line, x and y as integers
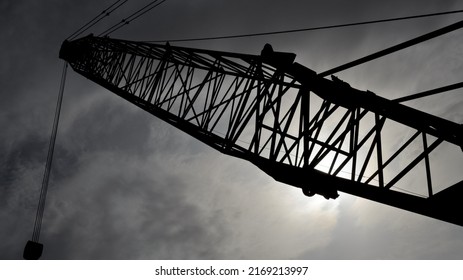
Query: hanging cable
{"type": "Point", "coordinates": [306, 29]}
{"type": "Point", "coordinates": [132, 17]}
{"type": "Point", "coordinates": [105, 13]}
{"type": "Point", "coordinates": [33, 249]}
{"type": "Point", "coordinates": [395, 48]}
{"type": "Point", "coordinates": [51, 148]}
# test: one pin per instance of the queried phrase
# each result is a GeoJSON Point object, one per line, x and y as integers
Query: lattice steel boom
{"type": "Point", "coordinates": [320, 135]}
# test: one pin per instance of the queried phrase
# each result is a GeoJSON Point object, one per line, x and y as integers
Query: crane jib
{"type": "Point", "coordinates": [256, 107]}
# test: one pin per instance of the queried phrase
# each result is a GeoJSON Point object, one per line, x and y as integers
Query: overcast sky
{"type": "Point", "coordinates": [125, 185]}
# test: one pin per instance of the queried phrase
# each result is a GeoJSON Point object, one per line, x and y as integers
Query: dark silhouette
{"type": "Point", "coordinates": [33, 250]}
{"type": "Point", "coordinates": [257, 108]}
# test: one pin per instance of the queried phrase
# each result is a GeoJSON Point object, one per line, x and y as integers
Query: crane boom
{"type": "Point", "coordinates": [277, 114]}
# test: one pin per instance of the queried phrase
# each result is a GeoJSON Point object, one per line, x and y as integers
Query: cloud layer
{"type": "Point", "coordinates": [125, 185]}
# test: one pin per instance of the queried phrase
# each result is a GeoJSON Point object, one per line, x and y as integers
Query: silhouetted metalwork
{"type": "Point", "coordinates": [298, 127]}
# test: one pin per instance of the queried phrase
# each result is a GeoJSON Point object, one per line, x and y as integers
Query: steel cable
{"type": "Point", "coordinates": [51, 148]}
{"type": "Point", "coordinates": [306, 29]}
{"type": "Point", "coordinates": [105, 13]}
{"type": "Point", "coordinates": [132, 17]}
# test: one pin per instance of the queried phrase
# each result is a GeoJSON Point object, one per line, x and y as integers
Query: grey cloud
{"type": "Point", "coordinates": [121, 212]}
{"type": "Point", "coordinates": [125, 185]}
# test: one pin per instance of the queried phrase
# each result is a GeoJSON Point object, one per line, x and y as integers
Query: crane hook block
{"type": "Point", "coordinates": [33, 250]}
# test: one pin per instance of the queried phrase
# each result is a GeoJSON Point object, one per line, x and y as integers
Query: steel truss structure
{"type": "Point", "coordinates": [320, 135]}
